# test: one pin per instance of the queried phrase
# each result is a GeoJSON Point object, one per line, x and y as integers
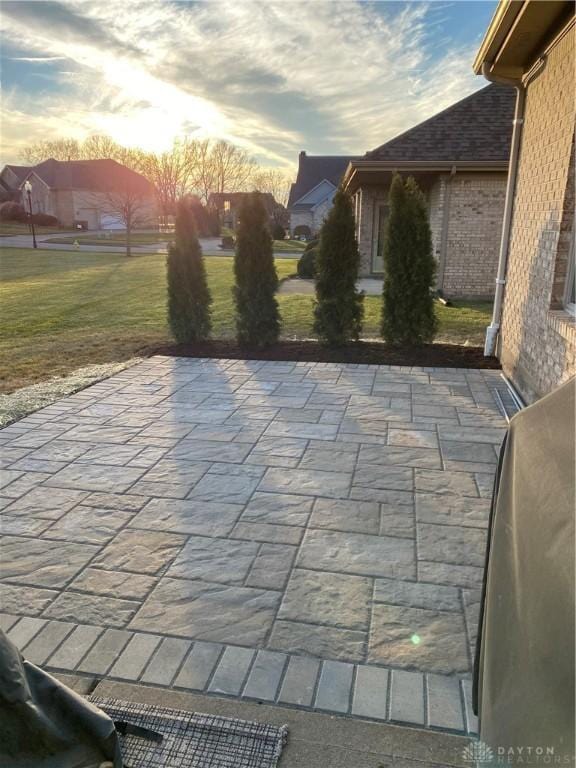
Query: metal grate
{"type": "Point", "coordinates": [193, 740]}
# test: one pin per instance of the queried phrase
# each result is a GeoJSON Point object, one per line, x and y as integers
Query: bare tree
{"type": "Point", "coordinates": [232, 167]}
{"type": "Point", "coordinates": [173, 173]}
{"type": "Point", "coordinates": [272, 180]}
{"type": "Point", "coordinates": [130, 204]}
{"type": "Point", "coordinates": [204, 180]}
{"type": "Point", "coordinates": [94, 147]}
{"type": "Point", "coordinates": [59, 149]}
{"type": "Point", "coordinates": [190, 166]}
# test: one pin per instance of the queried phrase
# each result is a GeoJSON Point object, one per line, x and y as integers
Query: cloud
{"type": "Point", "coordinates": [329, 77]}
{"type": "Point", "coordinates": [38, 59]}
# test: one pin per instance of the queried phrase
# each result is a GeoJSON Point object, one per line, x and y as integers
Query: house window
{"type": "Point", "coordinates": [570, 290]}
{"type": "Point", "coordinates": [381, 214]}
{"type": "Point", "coordinates": [226, 205]}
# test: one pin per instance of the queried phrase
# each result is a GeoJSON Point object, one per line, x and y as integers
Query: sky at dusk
{"type": "Point", "coordinates": [329, 77]}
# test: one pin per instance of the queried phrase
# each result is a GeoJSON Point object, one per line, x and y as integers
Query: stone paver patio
{"type": "Point", "coordinates": [324, 511]}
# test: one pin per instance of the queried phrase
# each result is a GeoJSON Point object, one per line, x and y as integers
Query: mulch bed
{"type": "Point", "coordinates": [373, 353]}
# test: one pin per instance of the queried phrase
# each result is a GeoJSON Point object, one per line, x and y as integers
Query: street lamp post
{"type": "Point", "coordinates": [28, 190]}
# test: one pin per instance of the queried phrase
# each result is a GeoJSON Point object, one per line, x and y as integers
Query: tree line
{"type": "Point", "coordinates": [190, 167]}
{"type": "Point", "coordinates": [407, 317]}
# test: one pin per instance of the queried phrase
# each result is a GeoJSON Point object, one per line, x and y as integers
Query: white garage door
{"type": "Point", "coordinates": [110, 222]}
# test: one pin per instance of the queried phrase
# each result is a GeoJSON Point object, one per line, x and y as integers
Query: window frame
{"type": "Point", "coordinates": [381, 207]}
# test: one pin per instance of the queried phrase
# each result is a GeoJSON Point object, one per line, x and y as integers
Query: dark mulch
{"type": "Point", "coordinates": [373, 353]}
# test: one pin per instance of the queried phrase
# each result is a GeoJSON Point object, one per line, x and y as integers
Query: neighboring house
{"type": "Point", "coordinates": [531, 46]}
{"type": "Point", "coordinates": [229, 204]}
{"type": "Point", "coordinates": [312, 193]}
{"type": "Point", "coordinates": [11, 177]}
{"type": "Point", "coordinates": [90, 192]}
{"type": "Point", "coordinates": [459, 158]}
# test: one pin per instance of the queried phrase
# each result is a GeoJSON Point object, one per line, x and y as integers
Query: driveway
{"type": "Point", "coordinates": [168, 523]}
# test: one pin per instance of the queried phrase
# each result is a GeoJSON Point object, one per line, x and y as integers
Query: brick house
{"type": "Point", "coordinates": [459, 158]}
{"type": "Point", "coordinates": [87, 191]}
{"type": "Point", "coordinates": [312, 193]}
{"type": "Point", "coordinates": [531, 45]}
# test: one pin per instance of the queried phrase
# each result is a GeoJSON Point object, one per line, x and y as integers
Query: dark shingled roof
{"type": "Point", "coordinates": [312, 169]}
{"type": "Point", "coordinates": [21, 171]}
{"type": "Point", "coordinates": [477, 128]}
{"type": "Point", "coordinates": [95, 175]}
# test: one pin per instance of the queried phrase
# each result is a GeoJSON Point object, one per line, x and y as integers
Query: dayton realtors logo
{"type": "Point", "coordinates": [481, 755]}
{"type": "Point", "coordinates": [478, 752]}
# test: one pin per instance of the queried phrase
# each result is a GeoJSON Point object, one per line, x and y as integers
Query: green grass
{"type": "Point", "coordinates": [11, 228]}
{"type": "Point", "coordinates": [289, 245]}
{"type": "Point", "coordinates": [116, 238]}
{"type": "Point", "coordinates": [61, 310]}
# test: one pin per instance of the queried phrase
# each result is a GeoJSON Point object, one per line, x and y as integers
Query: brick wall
{"type": "Point", "coordinates": [476, 206]}
{"type": "Point", "coordinates": [474, 228]}
{"type": "Point", "coordinates": [538, 339]}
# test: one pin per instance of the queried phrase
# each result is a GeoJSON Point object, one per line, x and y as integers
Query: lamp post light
{"type": "Point", "coordinates": [28, 190]}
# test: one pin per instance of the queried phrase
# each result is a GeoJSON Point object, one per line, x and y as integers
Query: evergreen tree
{"type": "Point", "coordinates": [188, 294]}
{"type": "Point", "coordinates": [257, 315]}
{"type": "Point", "coordinates": [409, 268]}
{"type": "Point", "coordinates": [339, 306]}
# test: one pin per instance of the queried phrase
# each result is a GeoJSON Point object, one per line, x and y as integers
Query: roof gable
{"type": "Point", "coordinates": [477, 128]}
{"type": "Point", "coordinates": [318, 193]}
{"type": "Point", "coordinates": [313, 169]}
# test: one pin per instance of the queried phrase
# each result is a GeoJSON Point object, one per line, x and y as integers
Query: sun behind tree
{"type": "Point", "coordinates": [189, 297]}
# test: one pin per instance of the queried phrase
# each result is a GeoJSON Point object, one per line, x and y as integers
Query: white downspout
{"type": "Point", "coordinates": [494, 327]}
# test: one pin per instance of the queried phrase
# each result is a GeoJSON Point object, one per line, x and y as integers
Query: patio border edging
{"type": "Point", "coordinates": [363, 691]}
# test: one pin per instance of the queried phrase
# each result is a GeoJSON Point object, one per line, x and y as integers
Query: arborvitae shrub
{"type": "Point", "coordinates": [409, 268]}
{"type": "Point", "coordinates": [189, 298]}
{"type": "Point", "coordinates": [257, 314]}
{"type": "Point", "coordinates": [339, 306]}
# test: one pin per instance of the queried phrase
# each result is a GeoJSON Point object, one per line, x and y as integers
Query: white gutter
{"type": "Point", "coordinates": [518, 122]}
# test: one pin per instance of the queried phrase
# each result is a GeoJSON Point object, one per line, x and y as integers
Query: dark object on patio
{"type": "Point", "coordinates": [45, 724]}
{"type": "Point", "coordinates": [524, 667]}
{"type": "Point", "coordinates": [194, 740]}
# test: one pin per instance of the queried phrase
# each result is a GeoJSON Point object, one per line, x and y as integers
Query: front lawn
{"type": "Point", "coordinates": [114, 238]}
{"type": "Point", "coordinates": [64, 309]}
{"type": "Point", "coordinates": [289, 245]}
{"type": "Point", "coordinates": [12, 228]}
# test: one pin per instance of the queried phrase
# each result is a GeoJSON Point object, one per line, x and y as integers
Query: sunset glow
{"type": "Point", "coordinates": [258, 75]}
